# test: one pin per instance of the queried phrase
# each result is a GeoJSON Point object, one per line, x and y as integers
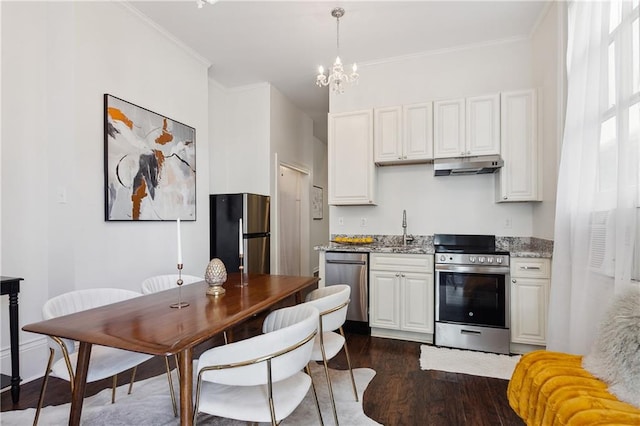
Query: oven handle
{"type": "Point", "coordinates": [473, 269]}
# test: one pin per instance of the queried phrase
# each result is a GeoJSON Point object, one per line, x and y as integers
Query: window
{"type": "Point", "coordinates": [620, 116]}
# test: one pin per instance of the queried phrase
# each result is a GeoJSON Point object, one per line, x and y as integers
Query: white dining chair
{"type": "Point", "coordinates": [332, 301]}
{"type": "Point", "coordinates": [105, 361]}
{"type": "Point", "coordinates": [166, 282]}
{"type": "Point", "coordinates": [260, 379]}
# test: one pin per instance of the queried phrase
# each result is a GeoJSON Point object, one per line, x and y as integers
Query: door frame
{"type": "Point", "coordinates": [305, 217]}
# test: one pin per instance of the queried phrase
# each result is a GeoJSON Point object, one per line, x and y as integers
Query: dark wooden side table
{"type": "Point", "coordinates": [11, 286]}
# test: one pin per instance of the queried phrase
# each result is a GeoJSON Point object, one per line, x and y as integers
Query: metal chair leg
{"type": "Point", "coordinates": [346, 352]}
{"type": "Point", "coordinates": [326, 372]}
{"type": "Point", "coordinates": [44, 386]}
{"type": "Point", "coordinates": [315, 394]}
{"type": "Point", "coordinates": [171, 391]}
{"type": "Point", "coordinates": [114, 383]}
{"type": "Point", "coordinates": [133, 377]}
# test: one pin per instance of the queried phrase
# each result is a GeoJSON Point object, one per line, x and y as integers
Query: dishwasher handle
{"type": "Point", "coordinates": [347, 262]}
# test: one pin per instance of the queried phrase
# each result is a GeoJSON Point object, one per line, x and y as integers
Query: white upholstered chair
{"type": "Point", "coordinates": [166, 282]}
{"type": "Point", "coordinates": [260, 379]}
{"type": "Point", "coordinates": [332, 301]}
{"type": "Point", "coordinates": [105, 361]}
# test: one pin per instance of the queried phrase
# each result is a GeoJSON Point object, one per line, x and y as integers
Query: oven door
{"type": "Point", "coordinates": [472, 295]}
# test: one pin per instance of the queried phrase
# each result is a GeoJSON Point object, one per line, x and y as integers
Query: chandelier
{"type": "Point", "coordinates": [337, 79]}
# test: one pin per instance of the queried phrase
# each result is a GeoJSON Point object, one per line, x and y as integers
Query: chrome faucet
{"type": "Point", "coordinates": [405, 238]}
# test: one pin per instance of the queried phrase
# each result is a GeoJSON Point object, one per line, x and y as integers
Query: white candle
{"type": "Point", "coordinates": [240, 240]}
{"type": "Point", "coordinates": [179, 243]}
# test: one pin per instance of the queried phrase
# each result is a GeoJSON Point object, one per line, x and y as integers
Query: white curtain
{"type": "Point", "coordinates": [596, 253]}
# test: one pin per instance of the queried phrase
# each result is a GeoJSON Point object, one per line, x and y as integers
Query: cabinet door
{"type": "Point", "coordinates": [483, 125]}
{"type": "Point", "coordinates": [520, 177]}
{"type": "Point", "coordinates": [529, 299]}
{"type": "Point", "coordinates": [350, 158]}
{"type": "Point", "coordinates": [384, 300]}
{"type": "Point", "coordinates": [387, 135]}
{"type": "Point", "coordinates": [418, 132]}
{"type": "Point", "coordinates": [449, 128]}
{"type": "Point", "coordinates": [417, 302]}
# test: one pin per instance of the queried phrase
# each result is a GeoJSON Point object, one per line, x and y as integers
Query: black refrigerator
{"type": "Point", "coordinates": [226, 210]}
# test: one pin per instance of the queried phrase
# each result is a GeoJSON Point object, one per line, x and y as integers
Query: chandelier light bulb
{"type": "Point", "coordinates": [336, 78]}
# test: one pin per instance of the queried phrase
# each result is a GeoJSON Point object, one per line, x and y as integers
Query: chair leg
{"type": "Point", "coordinates": [326, 372]}
{"type": "Point", "coordinates": [346, 352]}
{"type": "Point", "coordinates": [175, 358]}
{"type": "Point", "coordinates": [171, 391]}
{"type": "Point", "coordinates": [44, 386]}
{"type": "Point", "coordinates": [315, 394]}
{"type": "Point", "coordinates": [133, 377]}
{"type": "Point", "coordinates": [114, 383]}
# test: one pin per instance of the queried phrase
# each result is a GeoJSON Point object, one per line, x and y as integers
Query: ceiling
{"type": "Point", "coordinates": [284, 42]}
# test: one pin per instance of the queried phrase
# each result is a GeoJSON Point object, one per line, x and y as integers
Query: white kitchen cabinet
{"type": "Point", "coordinates": [467, 127]}
{"type": "Point", "coordinates": [530, 281]}
{"type": "Point", "coordinates": [449, 128]}
{"type": "Point", "coordinates": [483, 125]}
{"type": "Point", "coordinates": [520, 179]}
{"type": "Point", "coordinates": [350, 158]}
{"type": "Point", "coordinates": [401, 303]}
{"type": "Point", "coordinates": [403, 134]}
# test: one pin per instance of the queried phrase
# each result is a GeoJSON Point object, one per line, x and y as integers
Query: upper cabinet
{"type": "Point", "coordinates": [467, 127]}
{"type": "Point", "coordinates": [520, 177]}
{"type": "Point", "coordinates": [403, 134]}
{"type": "Point", "coordinates": [350, 158]}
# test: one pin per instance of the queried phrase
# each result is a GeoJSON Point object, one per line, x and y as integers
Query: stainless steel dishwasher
{"type": "Point", "coordinates": [351, 268]}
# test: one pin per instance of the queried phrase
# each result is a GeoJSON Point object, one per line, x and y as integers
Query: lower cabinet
{"type": "Point", "coordinates": [401, 296]}
{"type": "Point", "coordinates": [530, 281]}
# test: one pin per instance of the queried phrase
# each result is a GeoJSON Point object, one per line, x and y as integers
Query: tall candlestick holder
{"type": "Point", "coordinates": [243, 280]}
{"type": "Point", "coordinates": [180, 303]}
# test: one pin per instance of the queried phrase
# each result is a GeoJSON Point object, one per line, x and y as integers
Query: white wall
{"type": "Point", "coordinates": [548, 71]}
{"type": "Point", "coordinates": [455, 204]}
{"type": "Point", "coordinates": [292, 144]}
{"type": "Point", "coordinates": [58, 59]}
{"type": "Point", "coordinates": [320, 228]}
{"type": "Point", "coordinates": [239, 120]}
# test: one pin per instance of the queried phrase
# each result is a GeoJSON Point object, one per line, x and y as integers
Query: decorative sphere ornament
{"type": "Point", "coordinates": [215, 276]}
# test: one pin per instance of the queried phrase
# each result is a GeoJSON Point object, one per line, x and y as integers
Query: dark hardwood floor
{"type": "Point", "coordinates": [399, 394]}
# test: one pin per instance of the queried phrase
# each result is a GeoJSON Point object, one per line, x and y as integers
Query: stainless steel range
{"type": "Point", "coordinates": [472, 293]}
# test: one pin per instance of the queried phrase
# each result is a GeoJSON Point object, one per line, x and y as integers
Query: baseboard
{"type": "Point", "coordinates": [402, 335]}
{"type": "Point", "coordinates": [521, 348]}
{"type": "Point", "coordinates": [33, 359]}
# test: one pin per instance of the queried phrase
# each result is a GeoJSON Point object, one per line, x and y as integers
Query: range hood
{"type": "Point", "coordinates": [481, 164]}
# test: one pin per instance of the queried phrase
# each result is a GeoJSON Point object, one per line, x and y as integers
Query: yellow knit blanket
{"type": "Point", "coordinates": [552, 388]}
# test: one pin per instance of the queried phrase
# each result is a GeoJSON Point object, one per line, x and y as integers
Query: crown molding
{"type": "Point", "coordinates": [136, 12]}
{"type": "Point", "coordinates": [435, 52]}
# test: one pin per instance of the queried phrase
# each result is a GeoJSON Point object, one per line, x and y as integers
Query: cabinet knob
{"type": "Point", "coordinates": [513, 280]}
{"type": "Point", "coordinates": [399, 158]}
{"type": "Point", "coordinates": [402, 275]}
{"type": "Point", "coordinates": [397, 274]}
{"type": "Point", "coordinates": [505, 197]}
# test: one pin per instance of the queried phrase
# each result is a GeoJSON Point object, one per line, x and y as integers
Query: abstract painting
{"type": "Point", "coordinates": [150, 164]}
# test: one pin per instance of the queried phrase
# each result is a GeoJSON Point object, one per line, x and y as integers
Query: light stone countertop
{"type": "Point", "coordinates": [423, 244]}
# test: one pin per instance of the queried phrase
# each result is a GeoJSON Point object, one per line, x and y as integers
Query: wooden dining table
{"type": "Point", "coordinates": [149, 325]}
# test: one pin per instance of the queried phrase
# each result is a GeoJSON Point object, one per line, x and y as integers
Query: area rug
{"type": "Point", "coordinates": [150, 404]}
{"type": "Point", "coordinates": [468, 362]}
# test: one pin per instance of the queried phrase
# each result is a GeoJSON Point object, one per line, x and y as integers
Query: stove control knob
{"type": "Point", "coordinates": [443, 258]}
{"type": "Point", "coordinates": [498, 260]}
{"type": "Point", "coordinates": [481, 259]}
{"type": "Point", "coordinates": [472, 259]}
{"type": "Point", "coordinates": [490, 259]}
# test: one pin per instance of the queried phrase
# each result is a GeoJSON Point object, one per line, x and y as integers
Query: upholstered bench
{"type": "Point", "coordinates": [552, 388]}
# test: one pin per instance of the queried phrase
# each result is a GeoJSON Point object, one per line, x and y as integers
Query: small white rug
{"type": "Point", "coordinates": [150, 404]}
{"type": "Point", "coordinates": [468, 362]}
